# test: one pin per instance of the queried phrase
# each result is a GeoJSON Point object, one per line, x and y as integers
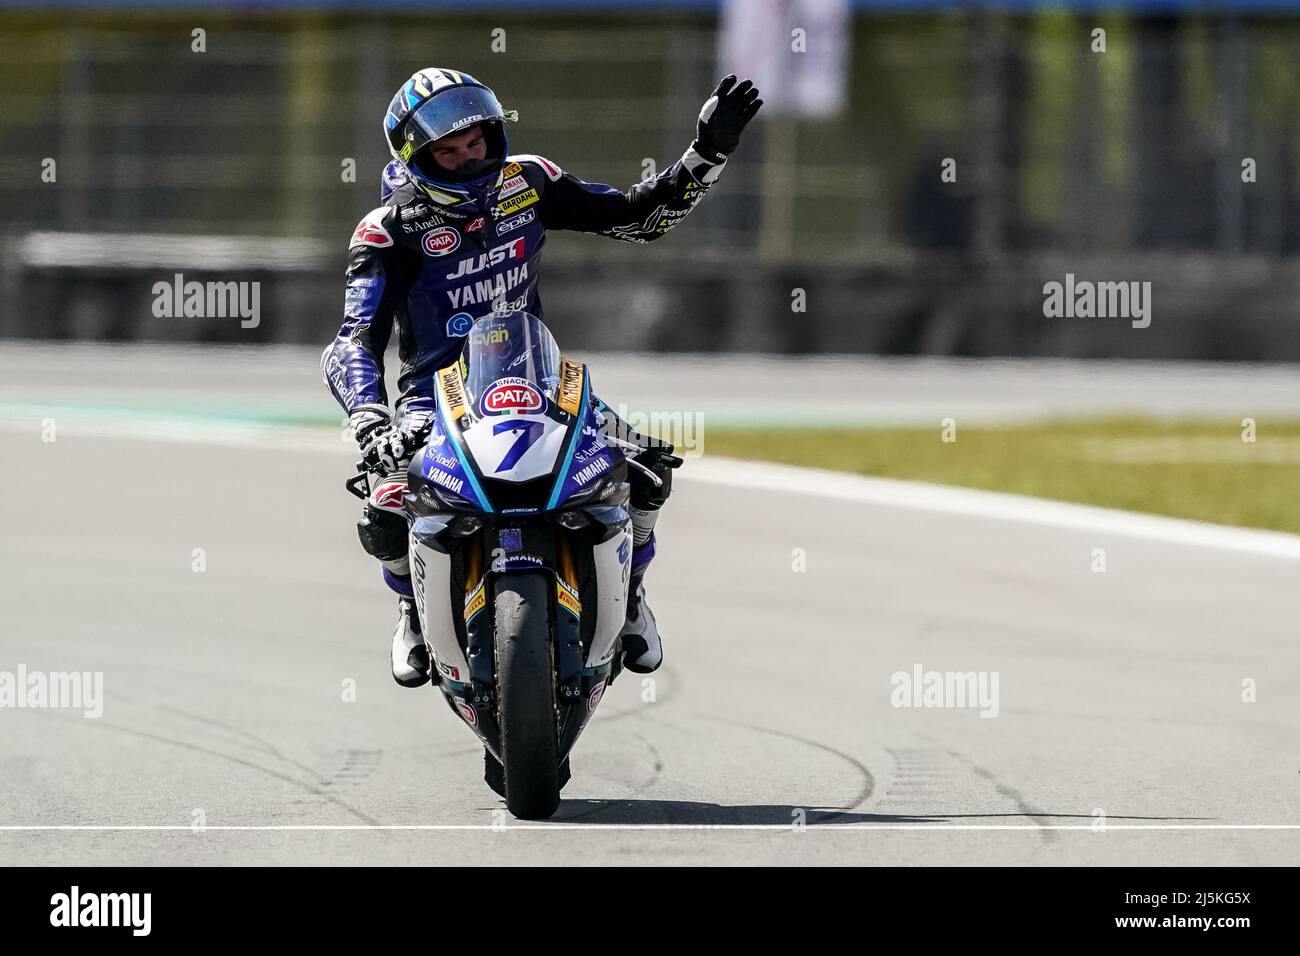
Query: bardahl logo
{"type": "Point", "coordinates": [514, 204]}
{"type": "Point", "coordinates": [453, 390]}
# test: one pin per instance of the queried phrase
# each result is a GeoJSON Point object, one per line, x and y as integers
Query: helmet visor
{"type": "Point", "coordinates": [451, 110]}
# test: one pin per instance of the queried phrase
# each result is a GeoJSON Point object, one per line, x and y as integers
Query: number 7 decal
{"type": "Point", "coordinates": [532, 431]}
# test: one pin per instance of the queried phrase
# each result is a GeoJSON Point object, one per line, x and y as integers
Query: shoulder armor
{"type": "Point", "coordinates": [552, 171]}
{"type": "Point", "coordinates": [373, 230]}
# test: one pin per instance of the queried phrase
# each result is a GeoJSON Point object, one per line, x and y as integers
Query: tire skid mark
{"type": "Point", "coordinates": [868, 781]}
{"type": "Point", "coordinates": [655, 773]}
{"type": "Point", "coordinates": [633, 711]}
{"type": "Point", "coordinates": [258, 743]}
{"type": "Point", "coordinates": [230, 758]}
{"type": "Point", "coordinates": [938, 773]}
{"type": "Point", "coordinates": [1010, 793]}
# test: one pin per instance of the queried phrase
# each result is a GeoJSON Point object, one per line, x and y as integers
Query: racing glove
{"type": "Point", "coordinates": [724, 116]}
{"type": "Point", "coordinates": [660, 460]}
{"type": "Point", "coordinates": [384, 448]}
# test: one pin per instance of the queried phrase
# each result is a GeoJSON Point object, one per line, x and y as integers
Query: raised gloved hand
{"type": "Point", "coordinates": [384, 449]}
{"type": "Point", "coordinates": [724, 116]}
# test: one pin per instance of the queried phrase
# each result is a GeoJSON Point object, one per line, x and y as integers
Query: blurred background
{"type": "Point", "coordinates": [862, 292]}
{"type": "Point", "coordinates": [1115, 156]}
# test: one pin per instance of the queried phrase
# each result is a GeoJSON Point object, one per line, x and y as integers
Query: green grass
{"type": "Point", "coordinates": [1201, 469]}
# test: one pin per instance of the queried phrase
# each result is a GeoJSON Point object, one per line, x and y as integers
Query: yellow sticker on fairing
{"type": "Point", "coordinates": [513, 169]}
{"type": "Point", "coordinates": [452, 388]}
{"type": "Point", "coordinates": [568, 599]}
{"type": "Point", "coordinates": [475, 602]}
{"type": "Point", "coordinates": [570, 393]}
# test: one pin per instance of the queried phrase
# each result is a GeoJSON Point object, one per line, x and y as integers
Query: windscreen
{"type": "Point", "coordinates": [510, 362]}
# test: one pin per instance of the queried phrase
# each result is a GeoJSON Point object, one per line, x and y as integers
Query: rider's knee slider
{"type": "Point", "coordinates": [382, 533]}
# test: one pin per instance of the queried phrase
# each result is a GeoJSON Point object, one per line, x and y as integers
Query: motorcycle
{"type": "Point", "coordinates": [519, 546]}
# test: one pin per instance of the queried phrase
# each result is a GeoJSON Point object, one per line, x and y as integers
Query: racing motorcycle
{"type": "Point", "coordinates": [520, 548]}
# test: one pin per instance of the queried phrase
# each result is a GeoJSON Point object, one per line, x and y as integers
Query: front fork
{"type": "Point", "coordinates": [565, 617]}
{"type": "Point", "coordinates": [578, 689]}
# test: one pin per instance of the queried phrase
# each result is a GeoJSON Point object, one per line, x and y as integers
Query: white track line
{"type": "Point", "coordinates": [972, 503]}
{"type": "Point", "coordinates": [670, 826]}
{"type": "Point", "coordinates": [758, 476]}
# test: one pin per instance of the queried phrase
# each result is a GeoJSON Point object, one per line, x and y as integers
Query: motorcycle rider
{"type": "Point", "coordinates": [458, 237]}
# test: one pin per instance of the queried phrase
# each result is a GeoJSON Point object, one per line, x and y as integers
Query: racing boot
{"type": "Point", "coordinates": [410, 656]}
{"type": "Point", "coordinates": [642, 650]}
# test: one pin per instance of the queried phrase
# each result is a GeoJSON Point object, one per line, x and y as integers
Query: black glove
{"type": "Point", "coordinates": [724, 116]}
{"type": "Point", "coordinates": [659, 458]}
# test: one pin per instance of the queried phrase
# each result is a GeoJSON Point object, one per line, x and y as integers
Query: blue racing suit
{"type": "Point", "coordinates": [432, 265]}
{"type": "Point", "coordinates": [433, 269]}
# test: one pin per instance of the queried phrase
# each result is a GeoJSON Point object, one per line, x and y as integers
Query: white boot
{"type": "Point", "coordinates": [410, 656]}
{"type": "Point", "coordinates": [642, 650]}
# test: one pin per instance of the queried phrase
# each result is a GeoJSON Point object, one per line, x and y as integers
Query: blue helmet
{"type": "Point", "coordinates": [434, 103]}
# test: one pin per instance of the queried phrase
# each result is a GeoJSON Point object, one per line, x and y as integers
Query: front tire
{"type": "Point", "coordinates": [526, 696]}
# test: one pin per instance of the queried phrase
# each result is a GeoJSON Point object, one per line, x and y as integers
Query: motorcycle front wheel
{"type": "Point", "coordinates": [526, 696]}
